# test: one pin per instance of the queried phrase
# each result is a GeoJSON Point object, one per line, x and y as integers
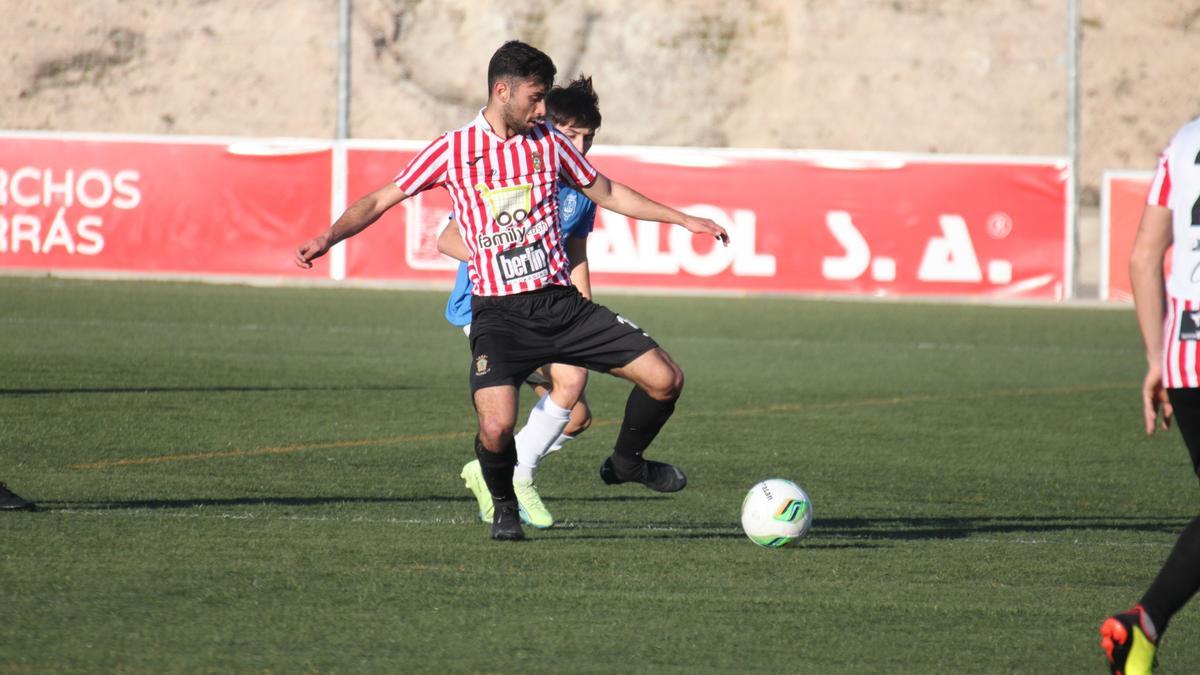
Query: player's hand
{"type": "Point", "coordinates": [311, 250]}
{"type": "Point", "coordinates": [705, 226]}
{"type": "Point", "coordinates": [1154, 398]}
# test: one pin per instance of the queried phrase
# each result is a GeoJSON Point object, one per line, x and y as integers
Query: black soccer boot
{"type": "Point", "coordinates": [12, 502]}
{"type": "Point", "coordinates": [506, 523]}
{"type": "Point", "coordinates": [657, 476]}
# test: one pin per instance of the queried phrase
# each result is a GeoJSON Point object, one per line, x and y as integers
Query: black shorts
{"type": "Point", "coordinates": [513, 335]}
{"type": "Point", "coordinates": [1186, 403]}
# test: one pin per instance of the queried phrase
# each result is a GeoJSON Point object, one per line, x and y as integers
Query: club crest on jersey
{"type": "Point", "coordinates": [481, 365]}
{"type": "Point", "coordinates": [568, 202]}
{"type": "Point", "coordinates": [537, 161]}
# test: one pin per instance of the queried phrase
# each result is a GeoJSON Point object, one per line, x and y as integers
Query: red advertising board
{"type": "Point", "coordinates": [850, 223]}
{"type": "Point", "coordinates": [402, 244]}
{"type": "Point", "coordinates": [160, 206]}
{"type": "Point", "coordinates": [1123, 196]}
{"type": "Point", "coordinates": [810, 222]}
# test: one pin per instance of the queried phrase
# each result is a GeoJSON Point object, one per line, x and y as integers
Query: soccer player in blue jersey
{"type": "Point", "coordinates": [575, 112]}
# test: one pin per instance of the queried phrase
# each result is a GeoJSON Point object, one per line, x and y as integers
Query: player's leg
{"type": "Point", "coordinates": [561, 387]}
{"type": "Point", "coordinates": [1179, 578]}
{"type": "Point", "coordinates": [548, 419]}
{"type": "Point", "coordinates": [581, 413]}
{"type": "Point", "coordinates": [603, 340]}
{"type": "Point", "coordinates": [472, 475]}
{"type": "Point", "coordinates": [1130, 638]}
{"type": "Point", "coordinates": [658, 383]}
{"type": "Point", "coordinates": [581, 419]}
{"type": "Point", "coordinates": [496, 407]}
{"type": "Point", "coordinates": [10, 501]}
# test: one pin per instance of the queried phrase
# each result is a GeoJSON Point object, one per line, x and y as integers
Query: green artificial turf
{"type": "Point", "coordinates": [266, 479]}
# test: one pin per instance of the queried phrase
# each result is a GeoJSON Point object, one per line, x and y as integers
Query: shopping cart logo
{"type": "Point", "coordinates": [509, 205]}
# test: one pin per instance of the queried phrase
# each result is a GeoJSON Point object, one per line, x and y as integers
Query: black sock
{"type": "Point", "coordinates": [1178, 579]}
{"type": "Point", "coordinates": [498, 469]}
{"type": "Point", "coordinates": [644, 418]}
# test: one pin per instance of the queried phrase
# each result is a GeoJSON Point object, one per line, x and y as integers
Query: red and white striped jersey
{"type": "Point", "coordinates": [1176, 186]}
{"type": "Point", "coordinates": [505, 201]}
{"type": "Point", "coordinates": [1181, 334]}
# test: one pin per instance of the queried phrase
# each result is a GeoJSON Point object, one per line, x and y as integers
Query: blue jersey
{"type": "Point", "coordinates": [576, 213]}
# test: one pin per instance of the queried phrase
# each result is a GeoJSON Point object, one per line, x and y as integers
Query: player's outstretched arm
{"type": "Point", "coordinates": [357, 218]}
{"type": "Point", "coordinates": [1154, 236]}
{"type": "Point", "coordinates": [626, 201]}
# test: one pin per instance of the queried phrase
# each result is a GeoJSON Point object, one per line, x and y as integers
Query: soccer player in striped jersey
{"type": "Point", "coordinates": [1169, 319]}
{"type": "Point", "coordinates": [574, 111]}
{"type": "Point", "coordinates": [502, 172]}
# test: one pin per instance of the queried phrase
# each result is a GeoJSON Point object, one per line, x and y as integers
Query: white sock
{"type": "Point", "coordinates": [545, 424]}
{"type": "Point", "coordinates": [558, 443]}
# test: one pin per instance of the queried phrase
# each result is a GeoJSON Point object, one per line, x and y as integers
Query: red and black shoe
{"type": "Point", "coordinates": [1125, 639]}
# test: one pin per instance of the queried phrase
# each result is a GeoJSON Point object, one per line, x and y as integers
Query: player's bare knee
{"type": "Point", "coordinates": [667, 384]}
{"type": "Point", "coordinates": [676, 387]}
{"type": "Point", "coordinates": [495, 434]}
{"type": "Point", "coordinates": [568, 380]}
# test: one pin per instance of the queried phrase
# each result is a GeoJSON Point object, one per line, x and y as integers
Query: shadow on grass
{"type": "Point", "coordinates": [877, 532]}
{"type": "Point", "coordinates": [195, 390]}
{"type": "Point", "coordinates": [602, 531]}
{"type": "Point", "coordinates": [828, 533]}
{"type": "Point", "coordinates": [108, 504]}
{"type": "Point", "coordinates": [960, 528]}
{"type": "Point", "coordinates": [104, 505]}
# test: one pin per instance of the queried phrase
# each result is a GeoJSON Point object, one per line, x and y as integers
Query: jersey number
{"type": "Point", "coordinates": [1196, 205]}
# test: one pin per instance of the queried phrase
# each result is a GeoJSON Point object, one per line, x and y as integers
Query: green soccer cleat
{"type": "Point", "coordinates": [533, 511]}
{"type": "Point", "coordinates": [1128, 648]}
{"type": "Point", "coordinates": [472, 475]}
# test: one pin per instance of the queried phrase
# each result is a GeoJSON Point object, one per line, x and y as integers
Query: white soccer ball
{"type": "Point", "coordinates": [776, 513]}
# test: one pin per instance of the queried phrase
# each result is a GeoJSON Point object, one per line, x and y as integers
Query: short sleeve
{"type": "Point", "coordinates": [428, 169]}
{"type": "Point", "coordinates": [572, 165]}
{"type": "Point", "coordinates": [1160, 187]}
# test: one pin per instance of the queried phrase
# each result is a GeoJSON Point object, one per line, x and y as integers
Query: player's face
{"type": "Point", "coordinates": [526, 105]}
{"type": "Point", "coordinates": [581, 137]}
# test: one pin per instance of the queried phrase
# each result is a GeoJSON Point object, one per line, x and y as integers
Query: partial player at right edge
{"type": "Point", "coordinates": [1170, 330]}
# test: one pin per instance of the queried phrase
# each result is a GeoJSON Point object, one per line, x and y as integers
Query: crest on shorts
{"type": "Point", "coordinates": [481, 365]}
{"type": "Point", "coordinates": [537, 161]}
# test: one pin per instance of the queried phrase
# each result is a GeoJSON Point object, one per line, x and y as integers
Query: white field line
{"type": "Point", "coordinates": [568, 525]}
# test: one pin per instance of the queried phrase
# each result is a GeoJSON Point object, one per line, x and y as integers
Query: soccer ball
{"type": "Point", "coordinates": [776, 513]}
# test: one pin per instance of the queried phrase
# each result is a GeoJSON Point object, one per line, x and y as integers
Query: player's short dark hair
{"type": "Point", "coordinates": [515, 59]}
{"type": "Point", "coordinates": [575, 103]}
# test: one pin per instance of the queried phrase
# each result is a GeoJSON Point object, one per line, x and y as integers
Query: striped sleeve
{"type": "Point", "coordinates": [428, 169]}
{"type": "Point", "coordinates": [572, 164]}
{"type": "Point", "coordinates": [1160, 187]}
